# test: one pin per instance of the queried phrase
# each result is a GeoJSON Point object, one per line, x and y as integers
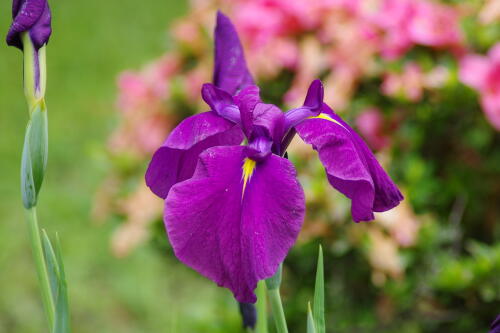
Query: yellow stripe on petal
{"type": "Point", "coordinates": [248, 169]}
{"type": "Point", "coordinates": [327, 117]}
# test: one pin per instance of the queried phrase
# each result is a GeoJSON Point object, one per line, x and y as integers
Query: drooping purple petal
{"type": "Point", "coordinates": [233, 229]}
{"type": "Point", "coordinates": [176, 159]}
{"type": "Point", "coordinates": [33, 16]}
{"type": "Point", "coordinates": [350, 165]}
{"type": "Point", "coordinates": [230, 71]}
{"type": "Point", "coordinates": [387, 194]}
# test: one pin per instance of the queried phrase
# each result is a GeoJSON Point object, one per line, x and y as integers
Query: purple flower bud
{"type": "Point", "coordinates": [32, 16]}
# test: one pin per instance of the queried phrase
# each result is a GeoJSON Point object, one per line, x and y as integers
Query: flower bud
{"type": "Point", "coordinates": [32, 16]}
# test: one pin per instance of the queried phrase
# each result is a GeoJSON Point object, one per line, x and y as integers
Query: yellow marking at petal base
{"type": "Point", "coordinates": [248, 169]}
{"type": "Point", "coordinates": [327, 117]}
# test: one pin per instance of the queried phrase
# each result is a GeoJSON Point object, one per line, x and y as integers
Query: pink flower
{"type": "Point", "coordinates": [392, 18]}
{"type": "Point", "coordinates": [258, 23]}
{"type": "Point", "coordinates": [435, 25]}
{"type": "Point", "coordinates": [483, 74]}
{"type": "Point", "coordinates": [404, 23]}
{"type": "Point", "coordinates": [408, 84]}
{"type": "Point", "coordinates": [370, 123]}
{"type": "Point", "coordinates": [133, 90]}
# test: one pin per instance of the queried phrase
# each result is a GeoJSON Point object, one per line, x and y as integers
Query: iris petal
{"type": "Point", "coordinates": [221, 102]}
{"type": "Point", "coordinates": [233, 240]}
{"type": "Point", "coordinates": [33, 16]}
{"type": "Point", "coordinates": [230, 71]}
{"type": "Point", "coordinates": [176, 159]}
{"type": "Point", "coordinates": [350, 165]}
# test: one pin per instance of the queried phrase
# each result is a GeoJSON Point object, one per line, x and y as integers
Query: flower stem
{"type": "Point", "coordinates": [277, 309]}
{"type": "Point", "coordinates": [261, 308]}
{"type": "Point", "coordinates": [41, 268]}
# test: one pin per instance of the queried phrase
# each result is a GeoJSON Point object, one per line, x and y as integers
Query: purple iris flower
{"type": "Point", "coordinates": [495, 326]}
{"type": "Point", "coordinates": [233, 210]}
{"type": "Point", "coordinates": [32, 16]}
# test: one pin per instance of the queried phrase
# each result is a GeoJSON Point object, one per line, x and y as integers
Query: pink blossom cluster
{"type": "Point", "coordinates": [483, 74]}
{"type": "Point", "coordinates": [144, 122]}
{"type": "Point", "coordinates": [344, 42]}
{"type": "Point", "coordinates": [344, 39]}
{"type": "Point", "coordinates": [341, 40]}
{"type": "Point", "coordinates": [396, 25]}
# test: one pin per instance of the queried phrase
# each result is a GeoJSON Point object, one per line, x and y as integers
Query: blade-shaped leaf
{"type": "Point", "coordinates": [51, 264]}
{"type": "Point", "coordinates": [310, 320]}
{"type": "Point", "coordinates": [319, 295]}
{"type": "Point", "coordinates": [61, 324]}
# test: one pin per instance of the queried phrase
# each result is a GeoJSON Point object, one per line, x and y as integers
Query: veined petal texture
{"type": "Point", "coordinates": [235, 221]}
{"type": "Point", "coordinates": [176, 159]}
{"type": "Point", "coordinates": [350, 165]}
{"type": "Point", "coordinates": [230, 71]}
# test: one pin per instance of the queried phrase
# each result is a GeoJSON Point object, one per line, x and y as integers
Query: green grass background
{"type": "Point", "coordinates": [92, 42]}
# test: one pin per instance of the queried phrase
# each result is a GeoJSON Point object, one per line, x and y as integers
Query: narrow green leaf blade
{"type": "Point", "coordinates": [61, 324]}
{"type": "Point", "coordinates": [51, 264]}
{"type": "Point", "coordinates": [319, 295]}
{"type": "Point", "coordinates": [310, 321]}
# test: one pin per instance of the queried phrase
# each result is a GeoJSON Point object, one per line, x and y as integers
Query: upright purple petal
{"type": "Point", "coordinates": [268, 121]}
{"type": "Point", "coordinates": [234, 221]}
{"type": "Point", "coordinates": [246, 100]}
{"type": "Point", "coordinates": [176, 159]}
{"type": "Point", "coordinates": [33, 16]}
{"type": "Point", "coordinates": [350, 165]}
{"type": "Point", "coordinates": [230, 71]}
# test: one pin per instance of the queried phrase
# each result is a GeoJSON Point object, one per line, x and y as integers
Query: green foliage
{"type": "Point", "coordinates": [57, 278]}
{"type": "Point", "coordinates": [319, 295]}
{"type": "Point", "coordinates": [310, 320]}
{"type": "Point", "coordinates": [34, 157]}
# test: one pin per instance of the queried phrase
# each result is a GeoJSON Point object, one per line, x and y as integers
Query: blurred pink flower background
{"type": "Point", "coordinates": [344, 42]}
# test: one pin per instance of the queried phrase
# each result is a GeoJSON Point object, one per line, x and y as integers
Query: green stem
{"type": "Point", "coordinates": [277, 309]}
{"type": "Point", "coordinates": [41, 268]}
{"type": "Point", "coordinates": [261, 308]}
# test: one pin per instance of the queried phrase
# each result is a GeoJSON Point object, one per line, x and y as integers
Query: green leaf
{"type": "Point", "coordinates": [34, 157]}
{"type": "Point", "coordinates": [310, 320]}
{"type": "Point", "coordinates": [55, 270]}
{"type": "Point", "coordinates": [51, 264]}
{"type": "Point", "coordinates": [61, 324]}
{"type": "Point", "coordinates": [319, 295]}
{"type": "Point", "coordinates": [261, 326]}
{"type": "Point", "coordinates": [274, 281]}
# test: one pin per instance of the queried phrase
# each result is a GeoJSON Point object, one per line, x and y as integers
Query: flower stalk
{"type": "Point", "coordinates": [34, 160]}
{"type": "Point", "coordinates": [41, 267]}
{"type": "Point", "coordinates": [30, 32]}
{"type": "Point", "coordinates": [273, 291]}
{"type": "Point", "coordinates": [261, 306]}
